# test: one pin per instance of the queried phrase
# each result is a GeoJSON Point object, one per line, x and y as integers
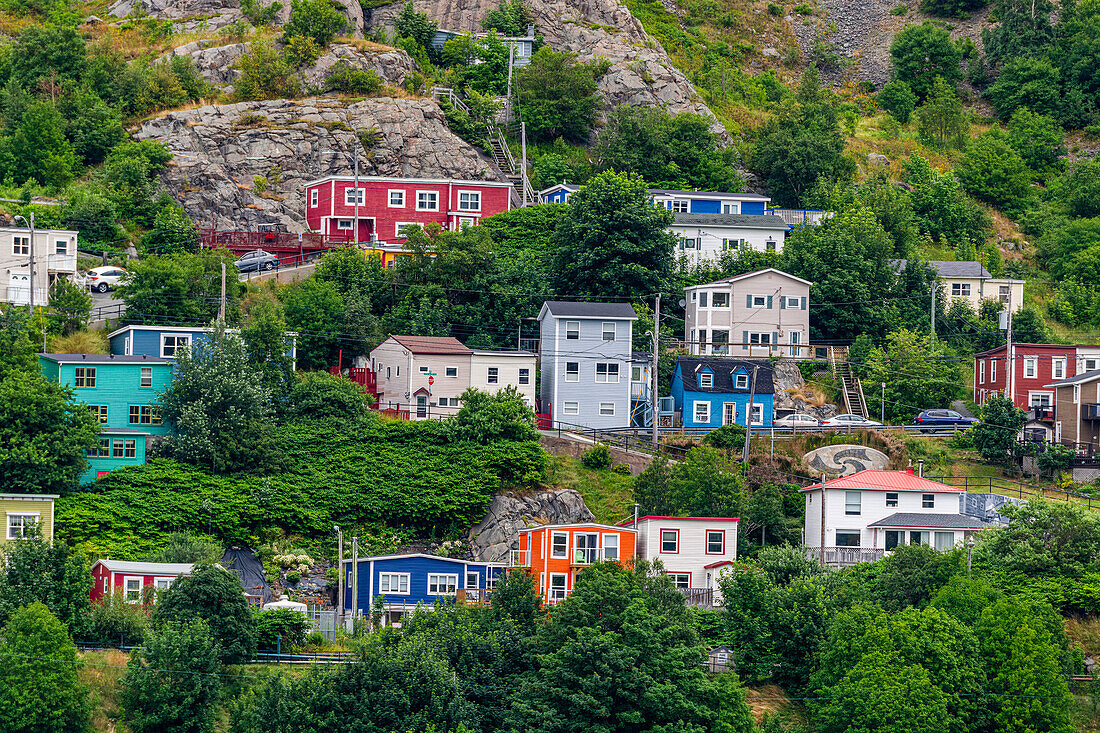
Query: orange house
{"type": "Point", "coordinates": [555, 554]}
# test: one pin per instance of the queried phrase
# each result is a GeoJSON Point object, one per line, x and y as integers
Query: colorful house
{"type": "Point", "coordinates": [386, 207]}
{"type": "Point", "coordinates": [693, 550]}
{"type": "Point", "coordinates": [22, 512]}
{"type": "Point", "coordinates": [403, 581]}
{"type": "Point", "coordinates": [164, 342]}
{"type": "Point", "coordinates": [556, 554]}
{"type": "Point", "coordinates": [709, 392]}
{"type": "Point", "coordinates": [129, 579]}
{"type": "Point", "coordinates": [122, 392]}
{"type": "Point", "coordinates": [679, 202]}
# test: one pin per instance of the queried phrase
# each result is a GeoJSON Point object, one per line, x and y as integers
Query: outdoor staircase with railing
{"type": "Point", "coordinates": [498, 144]}
{"type": "Point", "coordinates": [850, 389]}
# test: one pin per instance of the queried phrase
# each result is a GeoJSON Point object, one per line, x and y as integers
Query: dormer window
{"type": "Point", "coordinates": [742, 381]}
{"type": "Point", "coordinates": [706, 380]}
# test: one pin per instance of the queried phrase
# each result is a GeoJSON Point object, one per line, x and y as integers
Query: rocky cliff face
{"type": "Point", "coordinates": [192, 15]}
{"type": "Point", "coordinates": [496, 534]}
{"type": "Point", "coordinates": [221, 148]}
{"type": "Point", "coordinates": [641, 72]}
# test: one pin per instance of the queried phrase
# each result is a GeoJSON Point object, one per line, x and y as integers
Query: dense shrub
{"type": "Point", "coordinates": [898, 99]}
{"type": "Point", "coordinates": [726, 437]}
{"type": "Point", "coordinates": [283, 624]}
{"type": "Point", "coordinates": [596, 458]}
{"type": "Point", "coordinates": [348, 80]}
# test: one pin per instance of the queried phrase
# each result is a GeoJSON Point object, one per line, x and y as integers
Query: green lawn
{"type": "Point", "coordinates": [608, 495]}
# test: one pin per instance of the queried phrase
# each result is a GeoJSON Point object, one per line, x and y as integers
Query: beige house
{"type": "Point", "coordinates": [25, 511]}
{"type": "Point", "coordinates": [763, 313]}
{"type": "Point", "coordinates": [971, 282]}
{"type": "Point", "coordinates": [426, 375]}
{"type": "Point", "coordinates": [54, 256]}
{"type": "Point", "coordinates": [1077, 409]}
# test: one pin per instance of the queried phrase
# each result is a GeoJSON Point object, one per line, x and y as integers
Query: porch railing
{"type": "Point", "coordinates": [844, 556]}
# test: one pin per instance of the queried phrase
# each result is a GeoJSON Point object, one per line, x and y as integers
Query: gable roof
{"type": "Point", "coordinates": [724, 369]}
{"type": "Point", "coordinates": [568, 187]}
{"type": "Point", "coordinates": [969, 268]}
{"type": "Point", "coordinates": [147, 568]}
{"type": "Point", "coordinates": [747, 275]}
{"type": "Point", "coordinates": [577, 309]}
{"type": "Point", "coordinates": [734, 221]}
{"type": "Point", "coordinates": [885, 481]}
{"type": "Point", "coordinates": [1081, 378]}
{"type": "Point", "coordinates": [935, 521]}
{"type": "Point", "coordinates": [432, 344]}
{"type": "Point", "coordinates": [105, 359]}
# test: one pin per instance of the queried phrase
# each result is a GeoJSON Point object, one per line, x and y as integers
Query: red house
{"type": "Point", "coordinates": [388, 205]}
{"type": "Point", "coordinates": [1034, 367]}
{"type": "Point", "coordinates": [130, 578]}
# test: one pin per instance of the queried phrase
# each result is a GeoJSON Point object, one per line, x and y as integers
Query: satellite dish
{"type": "Point", "coordinates": [683, 302]}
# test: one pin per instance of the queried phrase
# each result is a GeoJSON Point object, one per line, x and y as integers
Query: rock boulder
{"type": "Point", "coordinates": [391, 64]}
{"type": "Point", "coordinates": [496, 534]}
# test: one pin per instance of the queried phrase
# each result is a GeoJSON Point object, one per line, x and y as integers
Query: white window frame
{"type": "Point", "coordinates": [675, 542]}
{"type": "Point", "coordinates": [741, 381]}
{"type": "Point", "coordinates": [146, 372]}
{"type": "Point", "coordinates": [20, 245]}
{"type": "Point", "coordinates": [895, 498]}
{"type": "Point", "coordinates": [126, 588]}
{"type": "Point", "coordinates": [960, 290]}
{"type": "Point", "coordinates": [856, 532]}
{"type": "Point", "coordinates": [793, 302]}
{"type": "Point", "coordinates": [572, 330]}
{"type": "Point", "coordinates": [695, 411]}
{"type": "Point", "coordinates": [554, 553]}
{"type": "Point", "coordinates": [400, 225]}
{"type": "Point", "coordinates": [163, 582]}
{"type": "Point", "coordinates": [853, 503]}
{"type": "Point", "coordinates": [469, 192]}
{"type": "Point", "coordinates": [1031, 367]}
{"type": "Point", "coordinates": [386, 580]}
{"type": "Point", "coordinates": [1058, 367]}
{"type": "Point", "coordinates": [613, 539]}
{"type": "Point", "coordinates": [926, 502]}
{"type": "Point", "coordinates": [474, 576]}
{"type": "Point", "coordinates": [428, 194]}
{"type": "Point", "coordinates": [1032, 394]}
{"type": "Point", "coordinates": [571, 408]}
{"type": "Point", "coordinates": [492, 375]}
{"type": "Point", "coordinates": [937, 536]}
{"type": "Point", "coordinates": [450, 581]}
{"type": "Point", "coordinates": [678, 579]}
{"type": "Point", "coordinates": [706, 541]}
{"type": "Point", "coordinates": [349, 195]}
{"type": "Point", "coordinates": [762, 338]}
{"type": "Point", "coordinates": [609, 368]}
{"type": "Point", "coordinates": [706, 380]}
{"type": "Point", "coordinates": [607, 409]}
{"type": "Point", "coordinates": [680, 206]}
{"type": "Point", "coordinates": [763, 301]}
{"type": "Point", "coordinates": [61, 246]}
{"type": "Point", "coordinates": [614, 331]}
{"type": "Point", "coordinates": [981, 371]}
{"type": "Point", "coordinates": [176, 344]}
{"type": "Point", "coordinates": [447, 372]}
{"type": "Point", "coordinates": [575, 373]}
{"type": "Point", "coordinates": [524, 375]}
{"type": "Point", "coordinates": [756, 407]}
{"type": "Point", "coordinates": [722, 294]}
{"type": "Point", "coordinates": [313, 198]}
{"type": "Point", "coordinates": [558, 592]}
{"type": "Point", "coordinates": [389, 198]}
{"type": "Point", "coordinates": [22, 527]}
{"type": "Point", "coordinates": [992, 370]}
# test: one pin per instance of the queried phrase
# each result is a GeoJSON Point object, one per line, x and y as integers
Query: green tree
{"type": "Point", "coordinates": [881, 693]}
{"type": "Point", "coordinates": [1025, 81]}
{"type": "Point", "coordinates": [922, 53]}
{"type": "Point", "coordinates": [485, 417]}
{"type": "Point", "coordinates": [212, 595]}
{"type": "Point", "coordinates": [612, 243]}
{"type": "Point", "coordinates": [320, 20]}
{"type": "Point", "coordinates": [995, 435]}
{"type": "Point", "coordinates": [39, 148]}
{"type": "Point", "coordinates": [916, 377]}
{"type": "Point", "coordinates": [217, 406]}
{"type": "Point", "coordinates": [266, 73]}
{"type": "Point", "coordinates": [707, 483]}
{"type": "Point", "coordinates": [1080, 188]}
{"type": "Point", "coordinates": [1024, 31]}
{"type": "Point", "coordinates": [517, 599]}
{"type": "Point", "coordinates": [264, 335]}
{"type": "Point", "coordinates": [898, 98]}
{"type": "Point", "coordinates": [1038, 139]}
{"type": "Point", "coordinates": [44, 433]}
{"type": "Point", "coordinates": [965, 598]}
{"type": "Point", "coordinates": [70, 308]}
{"type": "Point", "coordinates": [940, 118]}
{"type": "Point", "coordinates": [1028, 327]}
{"type": "Point", "coordinates": [91, 124]}
{"type": "Point", "coordinates": [416, 26]}
{"type": "Point", "coordinates": [511, 18]}
{"type": "Point", "coordinates": [17, 351]}
{"type": "Point", "coordinates": [50, 51]}
{"type": "Point", "coordinates": [1044, 539]}
{"type": "Point", "coordinates": [315, 309]}
{"type": "Point", "coordinates": [951, 8]}
{"type": "Point", "coordinates": [941, 209]}
{"type": "Point", "coordinates": [558, 96]}
{"type": "Point", "coordinates": [36, 571]}
{"type": "Point", "coordinates": [173, 232]}
{"type": "Point", "coordinates": [281, 628]}
{"type": "Point", "coordinates": [39, 689]}
{"type": "Point", "coordinates": [182, 288]}
{"type": "Point", "coordinates": [189, 548]}
{"type": "Point", "coordinates": [992, 171]}
{"type": "Point", "coordinates": [319, 395]}
{"type": "Point", "coordinates": [750, 605]}
{"type": "Point", "coordinates": [172, 684]}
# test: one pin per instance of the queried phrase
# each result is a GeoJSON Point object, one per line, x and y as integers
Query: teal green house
{"type": "Point", "coordinates": [122, 392]}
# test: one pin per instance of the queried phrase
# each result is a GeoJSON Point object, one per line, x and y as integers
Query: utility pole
{"type": "Point", "coordinates": [935, 284]}
{"type": "Point", "coordinates": [748, 420]}
{"type": "Point", "coordinates": [523, 163]}
{"type": "Point", "coordinates": [30, 225]}
{"type": "Point", "coordinates": [882, 405]}
{"type": "Point", "coordinates": [653, 398]}
{"type": "Point", "coordinates": [354, 581]}
{"type": "Point", "coordinates": [821, 538]}
{"type": "Point", "coordinates": [339, 616]}
{"type": "Point", "coordinates": [1010, 377]}
{"type": "Point", "coordinates": [508, 93]}
{"type": "Point", "coordinates": [221, 308]}
{"type": "Point", "coordinates": [355, 158]}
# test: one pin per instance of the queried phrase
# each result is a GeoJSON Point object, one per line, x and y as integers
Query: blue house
{"type": "Point", "coordinates": [163, 342]}
{"type": "Point", "coordinates": [558, 193]}
{"type": "Point", "coordinates": [402, 581]}
{"type": "Point", "coordinates": [680, 202]}
{"type": "Point", "coordinates": [711, 392]}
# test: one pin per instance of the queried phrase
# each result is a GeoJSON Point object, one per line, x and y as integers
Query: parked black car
{"type": "Point", "coordinates": [257, 260]}
{"type": "Point", "coordinates": [931, 420]}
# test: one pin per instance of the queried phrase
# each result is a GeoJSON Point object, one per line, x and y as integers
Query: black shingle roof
{"type": "Point", "coordinates": [940, 521]}
{"type": "Point", "coordinates": [724, 368]}
{"type": "Point", "coordinates": [590, 310]}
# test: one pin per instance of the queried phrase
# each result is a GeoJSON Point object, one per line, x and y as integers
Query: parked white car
{"type": "Point", "coordinates": [849, 420]}
{"type": "Point", "coordinates": [102, 279]}
{"type": "Point", "coordinates": [796, 421]}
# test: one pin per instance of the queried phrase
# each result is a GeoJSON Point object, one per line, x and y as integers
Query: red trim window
{"type": "Point", "coordinates": [680, 580]}
{"type": "Point", "coordinates": [716, 542]}
{"type": "Point", "coordinates": [670, 541]}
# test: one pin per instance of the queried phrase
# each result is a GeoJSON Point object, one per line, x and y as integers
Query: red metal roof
{"type": "Point", "coordinates": [885, 480]}
{"type": "Point", "coordinates": [685, 519]}
{"type": "Point", "coordinates": [432, 344]}
{"type": "Point", "coordinates": [718, 564]}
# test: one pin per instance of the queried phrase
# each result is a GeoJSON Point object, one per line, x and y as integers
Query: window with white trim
{"type": "Point", "coordinates": [981, 372]}
{"type": "Point", "coordinates": [960, 290]}
{"type": "Point", "coordinates": [608, 330]}
{"type": "Point", "coordinates": [572, 371]}
{"type": "Point", "coordinates": [146, 377]}
{"type": "Point", "coordinates": [469, 201]}
{"type": "Point", "coordinates": [793, 303]}
{"type": "Point", "coordinates": [20, 524]}
{"type": "Point", "coordinates": [20, 245]}
{"type": "Point", "coordinates": [557, 587]}
{"type": "Point", "coordinates": [759, 301]}
{"type": "Point", "coordinates": [313, 199]}
{"type": "Point", "coordinates": [611, 547]}
{"type": "Point", "coordinates": [169, 345]}
{"type": "Point", "coordinates": [397, 198]}
{"type": "Point", "coordinates": [681, 580]}
{"type": "Point", "coordinates": [763, 339]}
{"type": "Point", "coordinates": [891, 498]}
{"type": "Point", "coordinates": [402, 228]}
{"type": "Point", "coordinates": [442, 585]}
{"type": "Point", "coordinates": [343, 224]}
{"type": "Point", "coordinates": [393, 583]}
{"type": "Point", "coordinates": [607, 372]}
{"type": "Point", "coordinates": [1030, 366]}
{"type": "Point", "coordinates": [84, 377]}
{"type": "Point", "coordinates": [607, 409]}
{"type": "Point", "coordinates": [559, 544]}
{"type": "Point", "coordinates": [572, 330]}
{"type": "Point", "coordinates": [61, 247]}
{"type": "Point", "coordinates": [427, 201]}
{"type": "Point", "coordinates": [132, 590]}
{"type": "Point", "coordinates": [928, 501]}
{"type": "Point", "coordinates": [492, 375]}
{"type": "Point", "coordinates": [741, 381]}
{"type": "Point", "coordinates": [679, 206]}
{"type": "Point", "coordinates": [706, 380]}
{"type": "Point", "coordinates": [720, 300]}
{"type": "Point", "coordinates": [1058, 368]}
{"type": "Point", "coordinates": [450, 371]}
{"type": "Point", "coordinates": [701, 411]}
{"type": "Point", "coordinates": [992, 370]}
{"type": "Point", "coordinates": [490, 579]}
{"type": "Point", "coordinates": [757, 417]}
{"type": "Point", "coordinates": [472, 580]}
{"type": "Point", "coordinates": [350, 199]}
{"type": "Point", "coordinates": [853, 503]}
{"type": "Point", "coordinates": [703, 299]}
{"type": "Point", "coordinates": [524, 376]}
{"type": "Point", "coordinates": [716, 542]}
{"type": "Point", "coordinates": [571, 408]}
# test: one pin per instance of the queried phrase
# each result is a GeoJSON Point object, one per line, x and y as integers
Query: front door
{"type": "Point", "coordinates": [421, 406]}
{"type": "Point", "coordinates": [729, 413]}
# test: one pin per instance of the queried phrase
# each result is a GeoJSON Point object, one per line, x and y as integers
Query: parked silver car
{"type": "Point", "coordinates": [850, 420]}
{"type": "Point", "coordinates": [796, 421]}
{"type": "Point", "coordinates": [257, 260]}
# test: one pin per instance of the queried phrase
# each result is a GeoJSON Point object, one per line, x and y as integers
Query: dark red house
{"type": "Point", "coordinates": [1034, 367]}
{"type": "Point", "coordinates": [129, 579]}
{"type": "Point", "coordinates": [388, 205]}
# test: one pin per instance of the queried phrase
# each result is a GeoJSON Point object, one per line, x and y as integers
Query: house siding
{"type": "Point", "coordinates": [118, 386]}
{"type": "Point", "coordinates": [691, 556]}
{"type": "Point", "coordinates": [535, 546]}
{"type": "Point", "coordinates": [27, 504]}
{"type": "Point", "coordinates": [708, 240]}
{"type": "Point", "coordinates": [1023, 386]}
{"type": "Point", "coordinates": [872, 509]}
{"type": "Point", "coordinates": [508, 366]}
{"type": "Point", "coordinates": [685, 399]}
{"type": "Point", "coordinates": [418, 569]}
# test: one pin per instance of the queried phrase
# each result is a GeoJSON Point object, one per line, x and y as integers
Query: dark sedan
{"type": "Point", "coordinates": [932, 420]}
{"type": "Point", "coordinates": [257, 260]}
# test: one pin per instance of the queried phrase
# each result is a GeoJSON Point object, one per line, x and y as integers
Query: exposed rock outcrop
{"type": "Point", "coordinates": [192, 15]}
{"type": "Point", "coordinates": [215, 63]}
{"type": "Point", "coordinates": [496, 534]}
{"type": "Point", "coordinates": [788, 383]}
{"type": "Point", "coordinates": [221, 148]}
{"type": "Point", "coordinates": [641, 72]}
{"type": "Point", "coordinates": [393, 65]}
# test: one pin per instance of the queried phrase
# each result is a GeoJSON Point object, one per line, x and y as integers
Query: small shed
{"type": "Point", "coordinates": [285, 602]}
{"type": "Point", "coordinates": [720, 659]}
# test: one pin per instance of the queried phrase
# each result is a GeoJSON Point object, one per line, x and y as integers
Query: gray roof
{"type": "Point", "coordinates": [712, 194]}
{"type": "Point", "coordinates": [105, 359]}
{"type": "Point", "coordinates": [148, 568]}
{"type": "Point", "coordinates": [724, 368]}
{"type": "Point", "coordinates": [948, 268]}
{"type": "Point", "coordinates": [737, 221]}
{"type": "Point", "coordinates": [1079, 379]}
{"type": "Point", "coordinates": [934, 521]}
{"type": "Point", "coordinates": [122, 431]}
{"type": "Point", "coordinates": [590, 310]}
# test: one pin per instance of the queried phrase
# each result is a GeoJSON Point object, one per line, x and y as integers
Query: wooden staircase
{"type": "Point", "coordinates": [851, 390]}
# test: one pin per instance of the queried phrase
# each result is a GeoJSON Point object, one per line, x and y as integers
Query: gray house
{"type": "Point", "coordinates": [585, 358]}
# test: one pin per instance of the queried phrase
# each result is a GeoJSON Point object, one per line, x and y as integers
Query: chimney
{"type": "Point", "coordinates": [910, 471]}
{"type": "Point", "coordinates": [920, 468]}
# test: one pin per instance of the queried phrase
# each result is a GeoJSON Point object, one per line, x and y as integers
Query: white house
{"type": "Point", "coordinates": [491, 371]}
{"type": "Point", "coordinates": [867, 514]}
{"type": "Point", "coordinates": [762, 313]}
{"type": "Point", "coordinates": [693, 550]}
{"type": "Point", "coordinates": [706, 236]}
{"type": "Point", "coordinates": [54, 256]}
